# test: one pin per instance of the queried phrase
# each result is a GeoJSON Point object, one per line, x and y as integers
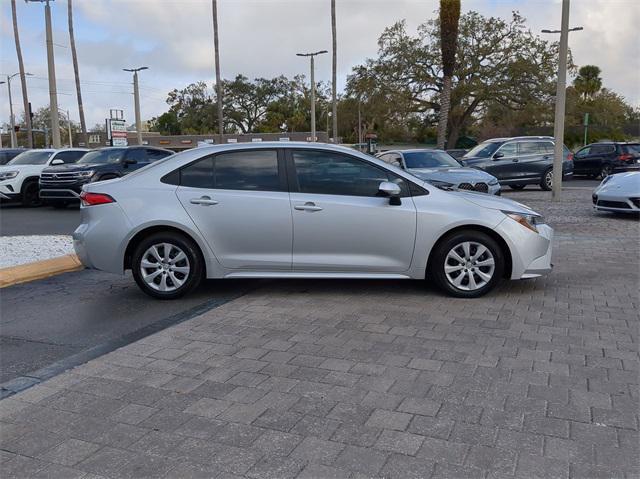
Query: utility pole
{"type": "Point", "coordinates": [53, 94]}
{"type": "Point", "coordinates": [136, 100]}
{"type": "Point", "coordinates": [216, 52]}
{"type": "Point", "coordinates": [561, 91]}
{"type": "Point", "coordinates": [74, 58]}
{"type": "Point", "coordinates": [313, 90]}
{"type": "Point", "coordinates": [23, 80]}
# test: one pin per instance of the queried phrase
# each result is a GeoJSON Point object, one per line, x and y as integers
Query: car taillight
{"type": "Point", "coordinates": [625, 157]}
{"type": "Point", "coordinates": [92, 199]}
{"type": "Point", "coordinates": [570, 157]}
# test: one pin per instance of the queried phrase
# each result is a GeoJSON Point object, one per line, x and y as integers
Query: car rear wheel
{"type": "Point", "coordinates": [546, 182]}
{"type": "Point", "coordinates": [605, 171]}
{"type": "Point", "coordinates": [467, 264]}
{"type": "Point", "coordinates": [517, 187]}
{"type": "Point", "coordinates": [167, 265]}
{"type": "Point", "coordinates": [30, 194]}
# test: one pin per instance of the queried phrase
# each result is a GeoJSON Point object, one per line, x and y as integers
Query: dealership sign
{"type": "Point", "coordinates": [117, 132]}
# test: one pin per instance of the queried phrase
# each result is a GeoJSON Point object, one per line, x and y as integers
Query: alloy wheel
{"type": "Point", "coordinates": [164, 267]}
{"type": "Point", "coordinates": [606, 171]}
{"type": "Point", "coordinates": [548, 179]}
{"type": "Point", "coordinates": [469, 266]}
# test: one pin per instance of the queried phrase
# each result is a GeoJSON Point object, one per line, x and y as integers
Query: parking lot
{"type": "Point", "coordinates": [344, 378]}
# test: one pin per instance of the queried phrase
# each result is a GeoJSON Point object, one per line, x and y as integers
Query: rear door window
{"type": "Point", "coordinates": [602, 149]}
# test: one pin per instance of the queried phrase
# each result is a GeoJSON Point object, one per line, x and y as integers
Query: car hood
{"type": "Point", "coordinates": [72, 167]}
{"type": "Point", "coordinates": [452, 175]}
{"type": "Point", "coordinates": [493, 202]}
{"type": "Point", "coordinates": [472, 160]}
{"type": "Point", "coordinates": [21, 168]}
{"type": "Point", "coordinates": [622, 184]}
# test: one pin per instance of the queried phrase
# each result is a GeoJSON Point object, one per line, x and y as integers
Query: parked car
{"type": "Point", "coordinates": [19, 178]}
{"type": "Point", "coordinates": [442, 170]}
{"type": "Point", "coordinates": [8, 154]}
{"type": "Point", "coordinates": [603, 159]}
{"type": "Point", "coordinates": [519, 161]}
{"type": "Point", "coordinates": [619, 193]}
{"type": "Point", "coordinates": [302, 210]}
{"type": "Point", "coordinates": [61, 185]}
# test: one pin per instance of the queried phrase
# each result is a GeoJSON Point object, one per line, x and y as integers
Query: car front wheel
{"type": "Point", "coordinates": [167, 265]}
{"type": "Point", "coordinates": [467, 264]}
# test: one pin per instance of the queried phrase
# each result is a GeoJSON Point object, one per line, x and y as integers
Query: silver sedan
{"type": "Point", "coordinates": [442, 170]}
{"type": "Point", "coordinates": [302, 210]}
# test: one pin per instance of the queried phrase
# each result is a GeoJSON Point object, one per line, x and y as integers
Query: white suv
{"type": "Point", "coordinates": [19, 178]}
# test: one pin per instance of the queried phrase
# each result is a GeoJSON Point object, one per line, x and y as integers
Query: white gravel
{"type": "Point", "coordinates": [15, 250]}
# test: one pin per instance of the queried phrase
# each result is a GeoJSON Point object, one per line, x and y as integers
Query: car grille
{"type": "Point", "coordinates": [613, 204]}
{"type": "Point", "coordinates": [59, 178]}
{"type": "Point", "coordinates": [482, 187]}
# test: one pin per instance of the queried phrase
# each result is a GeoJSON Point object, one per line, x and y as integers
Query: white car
{"type": "Point", "coordinates": [619, 193]}
{"type": "Point", "coordinates": [19, 178]}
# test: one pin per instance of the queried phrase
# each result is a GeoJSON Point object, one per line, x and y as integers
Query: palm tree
{"type": "Point", "coordinates": [214, 5]}
{"type": "Point", "coordinates": [449, 16]}
{"type": "Point", "coordinates": [588, 82]}
{"type": "Point", "coordinates": [74, 56]}
{"type": "Point", "coordinates": [334, 106]}
{"type": "Point", "coordinates": [23, 79]}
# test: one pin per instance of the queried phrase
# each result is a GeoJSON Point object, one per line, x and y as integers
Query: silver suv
{"type": "Point", "coordinates": [302, 210]}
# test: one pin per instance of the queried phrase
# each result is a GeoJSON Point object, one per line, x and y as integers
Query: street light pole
{"type": "Point", "coordinates": [313, 90]}
{"type": "Point", "coordinates": [12, 120]}
{"type": "Point", "coordinates": [561, 90]}
{"type": "Point", "coordinates": [136, 100]}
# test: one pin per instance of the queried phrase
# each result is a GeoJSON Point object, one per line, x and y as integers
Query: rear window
{"type": "Point", "coordinates": [633, 149]}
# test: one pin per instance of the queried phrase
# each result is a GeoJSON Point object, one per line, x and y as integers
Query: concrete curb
{"type": "Point", "coordinates": [39, 269]}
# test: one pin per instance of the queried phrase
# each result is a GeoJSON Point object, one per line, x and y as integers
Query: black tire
{"type": "Point", "coordinates": [605, 171]}
{"type": "Point", "coordinates": [517, 187]}
{"type": "Point", "coordinates": [439, 260]}
{"type": "Point", "coordinates": [546, 180]}
{"type": "Point", "coordinates": [30, 194]}
{"type": "Point", "coordinates": [194, 261]}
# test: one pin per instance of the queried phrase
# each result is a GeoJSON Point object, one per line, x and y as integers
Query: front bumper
{"type": "Point", "coordinates": [615, 203]}
{"type": "Point", "coordinates": [531, 252]}
{"type": "Point", "coordinates": [9, 190]}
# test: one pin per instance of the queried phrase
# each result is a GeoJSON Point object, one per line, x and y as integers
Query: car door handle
{"type": "Point", "coordinates": [308, 206]}
{"type": "Point", "coordinates": [203, 200]}
{"type": "Point", "coordinates": [515, 160]}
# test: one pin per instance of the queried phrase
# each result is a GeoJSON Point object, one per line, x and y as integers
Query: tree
{"type": "Point", "coordinates": [449, 17]}
{"type": "Point", "coordinates": [216, 46]}
{"type": "Point", "coordinates": [23, 79]}
{"type": "Point", "coordinates": [74, 57]}
{"type": "Point", "coordinates": [588, 82]}
{"type": "Point", "coordinates": [498, 61]}
{"type": "Point", "coordinates": [334, 74]}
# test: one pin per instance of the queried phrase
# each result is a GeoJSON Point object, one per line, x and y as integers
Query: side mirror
{"type": "Point", "coordinates": [57, 161]}
{"type": "Point", "coordinates": [498, 155]}
{"type": "Point", "coordinates": [392, 191]}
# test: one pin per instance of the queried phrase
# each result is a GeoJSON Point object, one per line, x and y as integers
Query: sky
{"type": "Point", "coordinates": [259, 38]}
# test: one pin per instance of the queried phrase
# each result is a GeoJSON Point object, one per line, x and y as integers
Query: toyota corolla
{"type": "Point", "coordinates": [302, 210]}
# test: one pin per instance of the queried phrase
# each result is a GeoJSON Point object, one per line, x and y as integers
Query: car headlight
{"type": "Point", "coordinates": [493, 182]}
{"type": "Point", "coordinates": [528, 221]}
{"type": "Point", "coordinates": [7, 175]}
{"type": "Point", "coordinates": [441, 184]}
{"type": "Point", "coordinates": [86, 174]}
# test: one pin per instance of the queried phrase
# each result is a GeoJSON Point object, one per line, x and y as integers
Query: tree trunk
{"type": "Point", "coordinates": [454, 134]}
{"type": "Point", "coordinates": [76, 71]}
{"type": "Point", "coordinates": [23, 79]}
{"type": "Point", "coordinates": [334, 103]}
{"type": "Point", "coordinates": [445, 106]}
{"type": "Point", "coordinates": [216, 45]}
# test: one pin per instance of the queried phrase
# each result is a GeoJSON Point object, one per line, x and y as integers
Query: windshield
{"type": "Point", "coordinates": [108, 155]}
{"type": "Point", "coordinates": [429, 159]}
{"type": "Point", "coordinates": [31, 157]}
{"type": "Point", "coordinates": [483, 150]}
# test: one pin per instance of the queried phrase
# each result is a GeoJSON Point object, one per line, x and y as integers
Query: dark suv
{"type": "Point", "coordinates": [519, 161]}
{"type": "Point", "coordinates": [602, 159]}
{"type": "Point", "coordinates": [61, 185]}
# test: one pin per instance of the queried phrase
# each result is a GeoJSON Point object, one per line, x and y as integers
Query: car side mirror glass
{"type": "Point", "coordinates": [392, 191]}
{"type": "Point", "coordinates": [498, 155]}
